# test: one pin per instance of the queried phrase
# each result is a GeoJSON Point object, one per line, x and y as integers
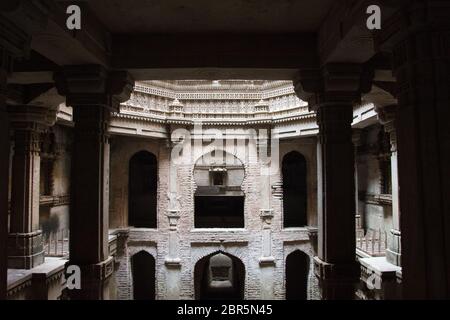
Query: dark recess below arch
{"type": "Point", "coordinates": [142, 190]}
{"type": "Point", "coordinates": [201, 280]}
{"type": "Point", "coordinates": [297, 269]}
{"type": "Point", "coordinates": [294, 190]}
{"type": "Point", "coordinates": [143, 272]}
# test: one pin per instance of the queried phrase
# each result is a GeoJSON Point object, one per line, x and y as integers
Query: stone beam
{"type": "Point", "coordinates": [90, 45]}
{"type": "Point", "coordinates": [344, 37]}
{"type": "Point", "coordinates": [154, 56]}
{"type": "Point", "coordinates": [35, 69]}
{"type": "Point", "coordinates": [45, 24]}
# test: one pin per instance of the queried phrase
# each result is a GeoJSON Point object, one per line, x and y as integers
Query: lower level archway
{"type": "Point", "coordinates": [297, 270]}
{"type": "Point", "coordinates": [219, 276]}
{"type": "Point", "coordinates": [143, 273]}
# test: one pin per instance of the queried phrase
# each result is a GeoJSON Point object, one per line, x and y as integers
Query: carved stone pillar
{"type": "Point", "coordinates": [332, 91]}
{"type": "Point", "coordinates": [419, 38]}
{"type": "Point", "coordinates": [25, 247]}
{"type": "Point", "coordinates": [4, 173]}
{"type": "Point", "coordinates": [357, 141]}
{"type": "Point", "coordinates": [387, 118]}
{"type": "Point", "coordinates": [14, 43]}
{"type": "Point", "coordinates": [18, 21]}
{"type": "Point", "coordinates": [93, 93]}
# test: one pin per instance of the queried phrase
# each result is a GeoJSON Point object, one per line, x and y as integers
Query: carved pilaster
{"type": "Point", "coordinates": [266, 258]}
{"type": "Point", "coordinates": [387, 117]}
{"type": "Point", "coordinates": [357, 139]}
{"type": "Point", "coordinates": [172, 259]}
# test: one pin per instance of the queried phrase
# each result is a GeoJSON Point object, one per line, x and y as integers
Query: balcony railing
{"type": "Point", "coordinates": [56, 244]}
{"type": "Point", "coordinates": [372, 243]}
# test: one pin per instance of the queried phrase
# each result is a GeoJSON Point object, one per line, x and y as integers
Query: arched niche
{"type": "Point", "coordinates": [219, 276]}
{"type": "Point", "coordinates": [219, 199]}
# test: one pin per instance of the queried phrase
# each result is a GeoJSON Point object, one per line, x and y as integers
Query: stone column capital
{"type": "Point", "coordinates": [85, 85]}
{"type": "Point", "coordinates": [31, 117]}
{"type": "Point", "coordinates": [333, 83]}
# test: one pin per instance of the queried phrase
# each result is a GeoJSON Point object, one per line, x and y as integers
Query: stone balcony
{"type": "Point", "coordinates": [47, 281]}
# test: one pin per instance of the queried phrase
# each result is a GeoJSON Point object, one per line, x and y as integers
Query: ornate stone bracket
{"type": "Point", "coordinates": [173, 215]}
{"type": "Point", "coordinates": [266, 216]}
